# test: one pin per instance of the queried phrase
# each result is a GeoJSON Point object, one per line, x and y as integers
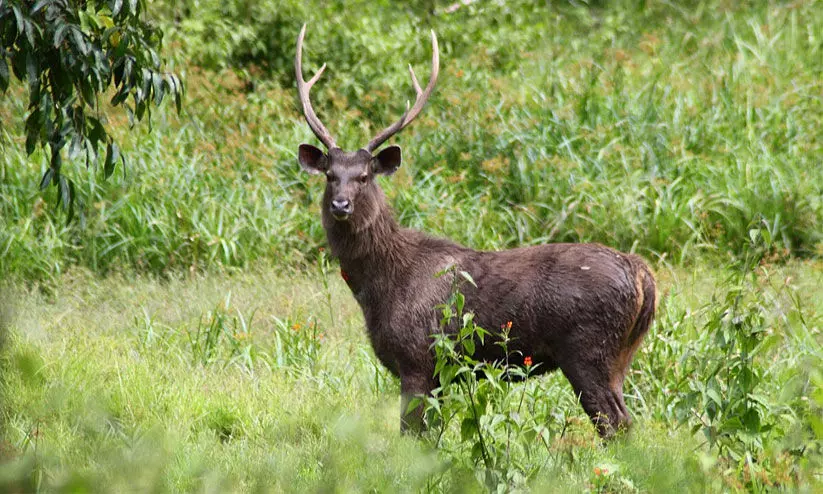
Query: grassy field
{"type": "Point", "coordinates": [111, 384]}
{"type": "Point", "coordinates": [189, 333]}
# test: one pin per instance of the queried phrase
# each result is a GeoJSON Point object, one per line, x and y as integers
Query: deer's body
{"type": "Point", "coordinates": [582, 308]}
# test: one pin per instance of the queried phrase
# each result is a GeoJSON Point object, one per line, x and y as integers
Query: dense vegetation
{"type": "Point", "coordinates": [186, 331]}
{"type": "Point", "coordinates": [67, 54]}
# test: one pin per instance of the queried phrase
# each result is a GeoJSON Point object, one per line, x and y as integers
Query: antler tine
{"type": "Point", "coordinates": [420, 101]}
{"type": "Point", "coordinates": [303, 88]}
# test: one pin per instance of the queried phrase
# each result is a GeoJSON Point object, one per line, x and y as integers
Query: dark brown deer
{"type": "Point", "coordinates": [582, 308]}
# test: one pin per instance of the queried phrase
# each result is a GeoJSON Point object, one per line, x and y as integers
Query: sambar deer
{"type": "Point", "coordinates": [582, 308]}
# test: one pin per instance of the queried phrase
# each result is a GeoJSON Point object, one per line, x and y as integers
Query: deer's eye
{"type": "Point", "coordinates": [331, 177]}
{"type": "Point", "coordinates": [363, 178]}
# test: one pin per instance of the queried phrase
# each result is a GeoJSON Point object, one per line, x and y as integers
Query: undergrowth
{"type": "Point", "coordinates": [653, 129]}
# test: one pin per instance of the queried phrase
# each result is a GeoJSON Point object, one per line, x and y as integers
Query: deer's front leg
{"type": "Point", "coordinates": [412, 385]}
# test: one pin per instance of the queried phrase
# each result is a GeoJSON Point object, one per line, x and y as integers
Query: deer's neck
{"type": "Point", "coordinates": [378, 243]}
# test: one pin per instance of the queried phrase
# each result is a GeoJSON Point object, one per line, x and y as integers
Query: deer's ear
{"type": "Point", "coordinates": [387, 161]}
{"type": "Point", "coordinates": [312, 159]}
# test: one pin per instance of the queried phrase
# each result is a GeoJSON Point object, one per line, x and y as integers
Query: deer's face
{"type": "Point", "coordinates": [350, 186]}
{"type": "Point", "coordinates": [351, 194]}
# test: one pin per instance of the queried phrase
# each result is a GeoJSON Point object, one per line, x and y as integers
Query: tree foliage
{"type": "Point", "coordinates": [69, 54]}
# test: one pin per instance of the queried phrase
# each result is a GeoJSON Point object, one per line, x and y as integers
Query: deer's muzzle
{"type": "Point", "coordinates": [341, 209]}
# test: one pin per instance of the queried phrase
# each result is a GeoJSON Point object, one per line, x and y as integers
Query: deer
{"type": "Point", "coordinates": [582, 308]}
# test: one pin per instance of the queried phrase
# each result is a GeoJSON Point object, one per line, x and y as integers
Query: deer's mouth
{"type": "Point", "coordinates": [341, 214]}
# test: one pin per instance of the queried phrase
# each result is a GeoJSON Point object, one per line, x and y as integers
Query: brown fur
{"type": "Point", "coordinates": [582, 308]}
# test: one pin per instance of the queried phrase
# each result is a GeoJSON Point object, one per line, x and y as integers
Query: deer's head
{"type": "Point", "coordinates": [350, 188]}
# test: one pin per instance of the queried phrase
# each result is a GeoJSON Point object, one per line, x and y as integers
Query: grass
{"type": "Point", "coordinates": [105, 389]}
{"type": "Point", "coordinates": [187, 333]}
{"type": "Point", "coordinates": [659, 131]}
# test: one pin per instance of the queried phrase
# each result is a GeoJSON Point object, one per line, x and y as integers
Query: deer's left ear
{"type": "Point", "coordinates": [387, 161]}
{"type": "Point", "coordinates": [312, 159]}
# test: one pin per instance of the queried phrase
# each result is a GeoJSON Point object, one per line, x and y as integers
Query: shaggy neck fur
{"type": "Point", "coordinates": [370, 242]}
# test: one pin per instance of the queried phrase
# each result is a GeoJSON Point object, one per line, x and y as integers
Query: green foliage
{"type": "Point", "coordinates": [717, 369]}
{"type": "Point", "coordinates": [68, 54]}
{"type": "Point", "coordinates": [495, 419]}
{"type": "Point", "coordinates": [614, 126]}
{"type": "Point", "coordinates": [734, 416]}
{"type": "Point", "coordinates": [101, 389]}
{"type": "Point", "coordinates": [217, 326]}
{"type": "Point", "coordinates": [668, 129]}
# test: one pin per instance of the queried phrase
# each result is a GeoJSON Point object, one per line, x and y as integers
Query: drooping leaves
{"type": "Point", "coordinates": [67, 54]}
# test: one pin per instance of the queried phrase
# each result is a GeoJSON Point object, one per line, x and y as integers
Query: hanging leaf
{"type": "Point", "coordinates": [64, 196]}
{"type": "Point", "coordinates": [19, 18]}
{"type": "Point", "coordinates": [112, 155]}
{"type": "Point", "coordinates": [157, 83]}
{"type": "Point", "coordinates": [4, 75]}
{"type": "Point", "coordinates": [70, 214]}
{"type": "Point", "coordinates": [39, 6]}
{"type": "Point", "coordinates": [60, 35]}
{"type": "Point", "coordinates": [47, 177]}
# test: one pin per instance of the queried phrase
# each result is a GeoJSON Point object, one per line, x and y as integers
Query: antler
{"type": "Point", "coordinates": [303, 88]}
{"type": "Point", "coordinates": [419, 103]}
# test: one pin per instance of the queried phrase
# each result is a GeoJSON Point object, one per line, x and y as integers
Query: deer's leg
{"type": "Point", "coordinates": [616, 392]}
{"type": "Point", "coordinates": [412, 385]}
{"type": "Point", "coordinates": [600, 396]}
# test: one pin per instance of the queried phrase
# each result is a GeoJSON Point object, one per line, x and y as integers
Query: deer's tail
{"type": "Point", "coordinates": [646, 301]}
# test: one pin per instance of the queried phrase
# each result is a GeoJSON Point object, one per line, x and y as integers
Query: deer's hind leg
{"type": "Point", "coordinates": [600, 395]}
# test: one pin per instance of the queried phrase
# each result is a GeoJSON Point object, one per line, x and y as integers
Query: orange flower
{"type": "Point", "coordinates": [527, 361]}
{"type": "Point", "coordinates": [507, 325]}
{"type": "Point", "coordinates": [597, 471]}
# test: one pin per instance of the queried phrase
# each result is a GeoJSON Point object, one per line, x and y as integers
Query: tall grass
{"type": "Point", "coordinates": [192, 333]}
{"type": "Point", "coordinates": [658, 130]}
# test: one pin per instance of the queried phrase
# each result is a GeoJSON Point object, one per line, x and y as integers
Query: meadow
{"type": "Point", "coordinates": [187, 331]}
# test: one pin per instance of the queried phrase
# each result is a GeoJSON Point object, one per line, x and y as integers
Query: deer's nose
{"type": "Point", "coordinates": [341, 207]}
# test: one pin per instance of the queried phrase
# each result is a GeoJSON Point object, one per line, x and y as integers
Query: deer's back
{"type": "Point", "coordinates": [554, 295]}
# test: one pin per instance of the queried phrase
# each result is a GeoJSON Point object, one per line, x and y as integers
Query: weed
{"type": "Point", "coordinates": [497, 426]}
{"type": "Point", "coordinates": [218, 326]}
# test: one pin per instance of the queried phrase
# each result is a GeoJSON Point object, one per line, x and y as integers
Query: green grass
{"type": "Point", "coordinates": [104, 388]}
{"type": "Point", "coordinates": [657, 130]}
{"type": "Point", "coordinates": [186, 332]}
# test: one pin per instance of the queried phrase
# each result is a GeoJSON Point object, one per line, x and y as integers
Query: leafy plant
{"type": "Point", "coordinates": [295, 344]}
{"type": "Point", "coordinates": [497, 424]}
{"type": "Point", "coordinates": [218, 326]}
{"type": "Point", "coordinates": [723, 398]}
{"type": "Point", "coordinates": [69, 54]}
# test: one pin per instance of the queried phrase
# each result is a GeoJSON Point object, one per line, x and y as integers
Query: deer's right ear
{"type": "Point", "coordinates": [312, 159]}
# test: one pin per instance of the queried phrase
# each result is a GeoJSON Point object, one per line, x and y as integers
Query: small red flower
{"type": "Point", "coordinates": [527, 361]}
{"type": "Point", "coordinates": [507, 325]}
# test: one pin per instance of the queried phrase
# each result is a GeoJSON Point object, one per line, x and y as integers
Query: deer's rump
{"type": "Point", "coordinates": [562, 300]}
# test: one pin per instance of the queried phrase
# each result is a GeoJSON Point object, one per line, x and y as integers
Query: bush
{"type": "Point", "coordinates": [69, 54]}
